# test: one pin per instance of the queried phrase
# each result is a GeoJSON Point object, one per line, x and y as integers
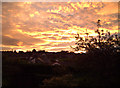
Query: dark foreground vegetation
{"type": "Point", "coordinates": [98, 70]}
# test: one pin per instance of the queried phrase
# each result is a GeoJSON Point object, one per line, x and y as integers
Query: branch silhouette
{"type": "Point", "coordinates": [104, 41]}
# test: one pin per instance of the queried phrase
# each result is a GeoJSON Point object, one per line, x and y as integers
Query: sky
{"type": "Point", "coordinates": [52, 26]}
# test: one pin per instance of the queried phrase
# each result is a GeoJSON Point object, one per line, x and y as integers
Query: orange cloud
{"type": "Point", "coordinates": [110, 8]}
{"type": "Point", "coordinates": [20, 43]}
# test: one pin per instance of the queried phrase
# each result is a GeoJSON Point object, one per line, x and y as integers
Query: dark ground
{"type": "Point", "coordinates": [80, 71]}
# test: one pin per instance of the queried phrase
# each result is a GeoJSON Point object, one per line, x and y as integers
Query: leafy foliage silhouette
{"type": "Point", "coordinates": [104, 41]}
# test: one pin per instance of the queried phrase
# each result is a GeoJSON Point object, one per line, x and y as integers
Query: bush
{"type": "Point", "coordinates": [66, 81]}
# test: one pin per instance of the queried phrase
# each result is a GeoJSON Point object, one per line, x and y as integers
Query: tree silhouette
{"type": "Point", "coordinates": [104, 41]}
{"type": "Point", "coordinates": [34, 50]}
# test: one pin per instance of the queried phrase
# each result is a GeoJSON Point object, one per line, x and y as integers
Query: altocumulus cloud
{"type": "Point", "coordinates": [52, 25]}
{"type": "Point", "coordinates": [9, 41]}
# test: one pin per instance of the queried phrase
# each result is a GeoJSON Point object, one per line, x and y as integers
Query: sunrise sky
{"type": "Point", "coordinates": [52, 26]}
